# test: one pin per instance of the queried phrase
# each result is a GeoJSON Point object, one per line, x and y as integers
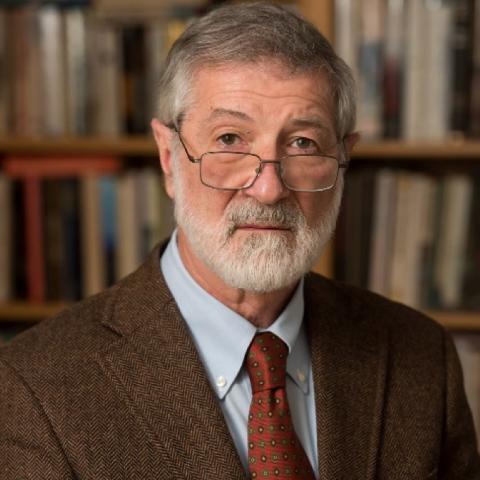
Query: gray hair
{"type": "Point", "coordinates": [252, 33]}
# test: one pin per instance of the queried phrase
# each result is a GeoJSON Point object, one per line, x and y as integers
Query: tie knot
{"type": "Point", "coordinates": [267, 362]}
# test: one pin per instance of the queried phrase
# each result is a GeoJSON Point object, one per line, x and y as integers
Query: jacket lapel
{"type": "Point", "coordinates": [156, 369]}
{"type": "Point", "coordinates": [349, 357]}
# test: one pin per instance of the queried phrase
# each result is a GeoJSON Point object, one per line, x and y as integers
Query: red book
{"type": "Point", "coordinates": [31, 171]}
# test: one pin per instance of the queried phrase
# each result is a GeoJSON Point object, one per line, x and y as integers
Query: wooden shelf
{"type": "Point", "coordinates": [145, 146]}
{"type": "Point", "coordinates": [457, 320]}
{"type": "Point", "coordinates": [133, 145]}
{"type": "Point", "coordinates": [388, 150]}
{"type": "Point", "coordinates": [25, 312]}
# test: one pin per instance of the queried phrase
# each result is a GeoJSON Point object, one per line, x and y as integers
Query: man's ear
{"type": "Point", "coordinates": [349, 142]}
{"type": "Point", "coordinates": [164, 140]}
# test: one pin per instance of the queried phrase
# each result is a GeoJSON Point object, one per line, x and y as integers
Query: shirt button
{"type": "Point", "coordinates": [221, 381]}
{"type": "Point", "coordinates": [301, 376]}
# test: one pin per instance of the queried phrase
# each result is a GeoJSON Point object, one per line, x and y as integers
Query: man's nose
{"type": "Point", "coordinates": [268, 187]}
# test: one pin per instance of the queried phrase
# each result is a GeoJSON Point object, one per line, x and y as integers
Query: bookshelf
{"type": "Point", "coordinates": [381, 152]}
{"type": "Point", "coordinates": [377, 153]}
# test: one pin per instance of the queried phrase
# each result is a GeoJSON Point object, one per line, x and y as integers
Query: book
{"type": "Point", "coordinates": [128, 249]}
{"type": "Point", "coordinates": [370, 102]}
{"type": "Point", "coordinates": [53, 82]}
{"type": "Point", "coordinates": [94, 260]}
{"type": "Point", "coordinates": [134, 79]}
{"type": "Point", "coordinates": [438, 70]}
{"type": "Point", "coordinates": [471, 281]}
{"type": "Point", "coordinates": [31, 171]}
{"type": "Point", "coordinates": [413, 214]}
{"type": "Point", "coordinates": [452, 241]}
{"type": "Point", "coordinates": [76, 70]}
{"type": "Point", "coordinates": [4, 73]}
{"type": "Point", "coordinates": [383, 231]}
{"type": "Point", "coordinates": [108, 185]}
{"type": "Point", "coordinates": [24, 63]}
{"type": "Point", "coordinates": [393, 68]}
{"type": "Point", "coordinates": [347, 32]}
{"type": "Point", "coordinates": [6, 207]}
{"type": "Point", "coordinates": [105, 67]}
{"type": "Point", "coordinates": [474, 123]}
{"type": "Point", "coordinates": [462, 61]}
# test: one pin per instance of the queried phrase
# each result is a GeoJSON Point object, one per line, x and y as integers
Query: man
{"type": "Point", "coordinates": [179, 370]}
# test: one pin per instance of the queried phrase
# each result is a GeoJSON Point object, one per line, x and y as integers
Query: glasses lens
{"type": "Point", "coordinates": [310, 172]}
{"type": "Point", "coordinates": [228, 170]}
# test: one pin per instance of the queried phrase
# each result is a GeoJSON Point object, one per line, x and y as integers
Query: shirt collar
{"type": "Point", "coordinates": [222, 336]}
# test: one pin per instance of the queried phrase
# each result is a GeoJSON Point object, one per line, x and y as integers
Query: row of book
{"type": "Point", "coordinates": [68, 69]}
{"type": "Point", "coordinates": [417, 63]}
{"type": "Point", "coordinates": [69, 227]}
{"type": "Point", "coordinates": [412, 236]}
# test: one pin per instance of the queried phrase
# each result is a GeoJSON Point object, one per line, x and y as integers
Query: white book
{"type": "Point", "coordinates": [427, 70]}
{"type": "Point", "coordinates": [128, 256]}
{"type": "Point", "coordinates": [53, 93]}
{"type": "Point", "coordinates": [450, 256]}
{"type": "Point", "coordinates": [420, 213]}
{"type": "Point", "coordinates": [438, 69]}
{"type": "Point", "coordinates": [94, 275]}
{"type": "Point", "coordinates": [5, 237]}
{"type": "Point", "coordinates": [76, 69]}
{"type": "Point", "coordinates": [347, 31]}
{"type": "Point", "coordinates": [105, 65]}
{"type": "Point", "coordinates": [383, 231]}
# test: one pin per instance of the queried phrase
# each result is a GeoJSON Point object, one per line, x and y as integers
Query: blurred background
{"type": "Point", "coordinates": [81, 197]}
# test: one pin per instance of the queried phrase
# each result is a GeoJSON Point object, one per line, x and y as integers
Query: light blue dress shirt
{"type": "Point", "coordinates": [222, 338]}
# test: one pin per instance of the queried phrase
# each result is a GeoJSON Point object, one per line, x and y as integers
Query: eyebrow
{"type": "Point", "coordinates": [315, 122]}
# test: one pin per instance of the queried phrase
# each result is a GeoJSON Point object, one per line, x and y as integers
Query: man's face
{"type": "Point", "coordinates": [265, 237]}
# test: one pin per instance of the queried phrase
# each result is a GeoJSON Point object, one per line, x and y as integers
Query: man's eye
{"type": "Point", "coordinates": [304, 143]}
{"type": "Point", "coordinates": [228, 139]}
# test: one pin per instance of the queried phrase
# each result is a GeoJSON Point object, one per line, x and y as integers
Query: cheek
{"type": "Point", "coordinates": [315, 205]}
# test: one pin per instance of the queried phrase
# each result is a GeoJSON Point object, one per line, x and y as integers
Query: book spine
{"type": "Point", "coordinates": [462, 53]}
{"type": "Point", "coordinates": [35, 265]}
{"type": "Point", "coordinates": [53, 70]}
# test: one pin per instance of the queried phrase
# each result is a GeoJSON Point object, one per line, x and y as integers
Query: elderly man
{"type": "Point", "coordinates": [221, 358]}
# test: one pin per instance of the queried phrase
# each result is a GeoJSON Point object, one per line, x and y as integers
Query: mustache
{"type": "Point", "coordinates": [282, 214]}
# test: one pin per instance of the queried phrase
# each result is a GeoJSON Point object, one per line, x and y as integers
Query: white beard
{"type": "Point", "coordinates": [257, 262]}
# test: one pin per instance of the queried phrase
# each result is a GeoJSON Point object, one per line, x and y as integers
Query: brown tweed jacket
{"type": "Point", "coordinates": [113, 388]}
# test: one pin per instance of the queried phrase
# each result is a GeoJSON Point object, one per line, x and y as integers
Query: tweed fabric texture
{"type": "Point", "coordinates": [98, 392]}
{"type": "Point", "coordinates": [273, 446]}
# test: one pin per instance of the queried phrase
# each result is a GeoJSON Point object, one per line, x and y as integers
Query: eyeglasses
{"type": "Point", "coordinates": [239, 170]}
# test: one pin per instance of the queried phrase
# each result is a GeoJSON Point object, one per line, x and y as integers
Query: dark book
{"type": "Point", "coordinates": [475, 78]}
{"type": "Point", "coordinates": [462, 62]}
{"type": "Point", "coordinates": [53, 239]}
{"type": "Point", "coordinates": [19, 277]}
{"type": "Point", "coordinates": [135, 78]}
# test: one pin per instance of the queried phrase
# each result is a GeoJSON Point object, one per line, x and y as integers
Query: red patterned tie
{"type": "Point", "coordinates": [274, 450]}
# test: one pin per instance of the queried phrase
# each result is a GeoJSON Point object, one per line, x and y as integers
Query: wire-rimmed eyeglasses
{"type": "Point", "coordinates": [239, 170]}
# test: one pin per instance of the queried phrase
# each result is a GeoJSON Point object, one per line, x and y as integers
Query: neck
{"type": "Point", "coordinates": [260, 309]}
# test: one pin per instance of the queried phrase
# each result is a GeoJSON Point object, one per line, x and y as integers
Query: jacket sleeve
{"type": "Point", "coordinates": [29, 448]}
{"type": "Point", "coordinates": [460, 458]}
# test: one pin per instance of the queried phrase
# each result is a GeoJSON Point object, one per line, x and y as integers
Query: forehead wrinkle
{"type": "Point", "coordinates": [226, 112]}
